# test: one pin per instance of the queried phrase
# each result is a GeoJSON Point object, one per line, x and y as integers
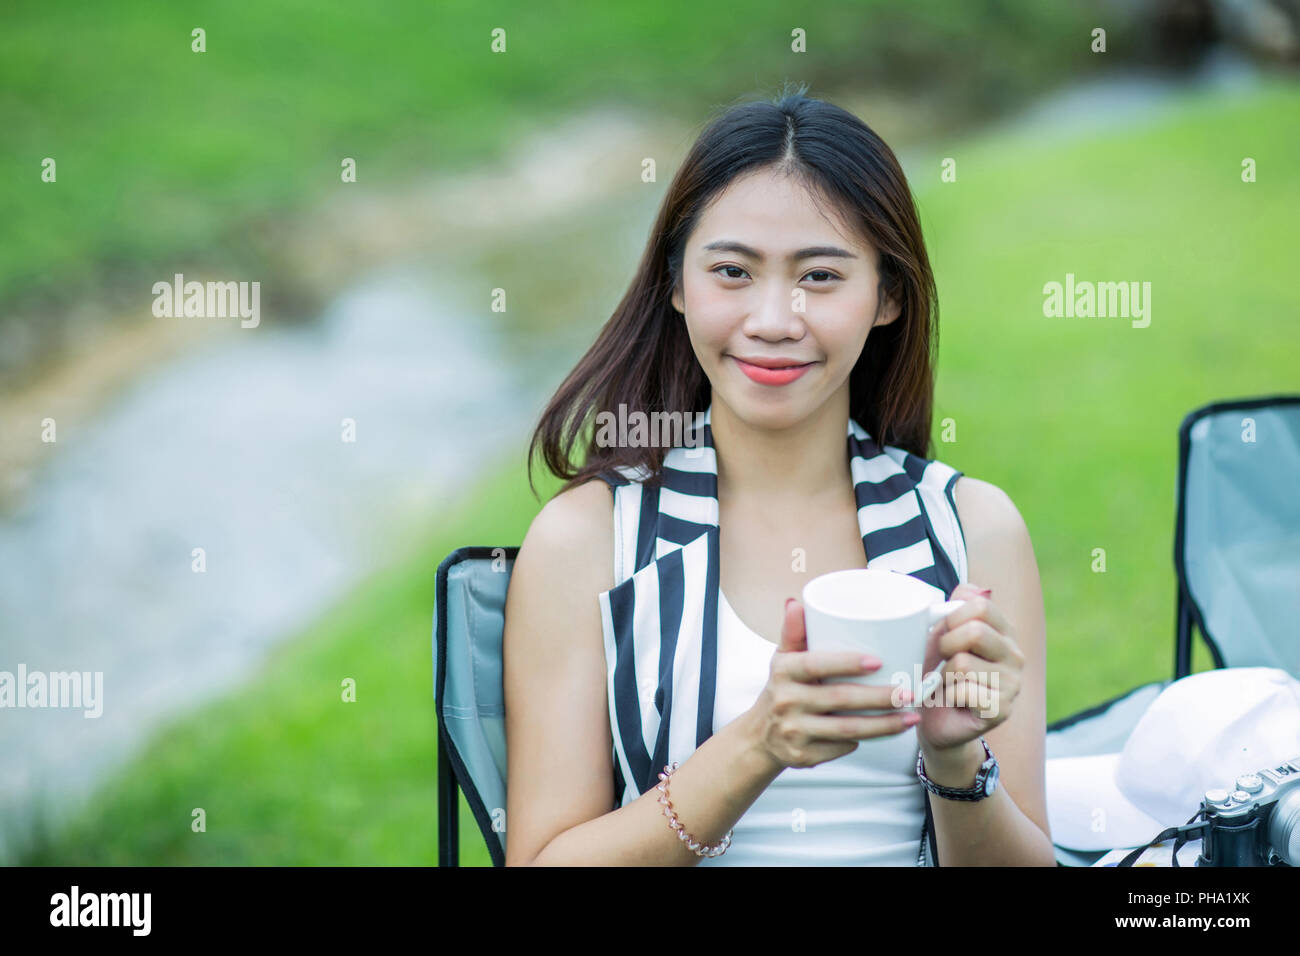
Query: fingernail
{"type": "Point", "coordinates": [870, 662]}
{"type": "Point", "coordinates": [788, 602]}
{"type": "Point", "coordinates": [910, 720]}
{"type": "Point", "coordinates": [986, 592]}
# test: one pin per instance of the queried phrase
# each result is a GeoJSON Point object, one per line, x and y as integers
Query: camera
{"type": "Point", "coordinates": [1256, 822]}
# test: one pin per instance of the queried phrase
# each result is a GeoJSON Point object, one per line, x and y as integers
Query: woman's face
{"type": "Point", "coordinates": [767, 280]}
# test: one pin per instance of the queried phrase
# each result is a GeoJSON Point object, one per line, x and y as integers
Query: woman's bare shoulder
{"type": "Point", "coordinates": [994, 530]}
{"type": "Point", "coordinates": [572, 537]}
{"type": "Point", "coordinates": [985, 509]}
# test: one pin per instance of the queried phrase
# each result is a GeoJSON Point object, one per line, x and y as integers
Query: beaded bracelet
{"type": "Point", "coordinates": [691, 843]}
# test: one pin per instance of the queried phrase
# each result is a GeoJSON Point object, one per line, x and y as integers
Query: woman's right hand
{"type": "Point", "coordinates": [791, 717]}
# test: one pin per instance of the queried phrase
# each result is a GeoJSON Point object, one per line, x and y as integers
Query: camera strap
{"type": "Point", "coordinates": [1180, 835]}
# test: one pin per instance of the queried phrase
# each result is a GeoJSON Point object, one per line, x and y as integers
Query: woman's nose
{"type": "Point", "coordinates": [778, 313]}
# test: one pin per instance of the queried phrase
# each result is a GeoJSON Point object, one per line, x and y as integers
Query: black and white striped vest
{"type": "Point", "coordinates": [660, 619]}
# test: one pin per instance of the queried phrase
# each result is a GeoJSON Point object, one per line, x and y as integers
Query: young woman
{"type": "Point", "coordinates": [662, 707]}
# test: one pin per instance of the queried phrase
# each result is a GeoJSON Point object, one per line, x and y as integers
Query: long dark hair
{"type": "Point", "coordinates": [643, 358]}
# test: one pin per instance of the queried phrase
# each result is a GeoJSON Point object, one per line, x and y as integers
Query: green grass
{"type": "Point", "coordinates": [165, 155]}
{"type": "Point", "coordinates": [1075, 418]}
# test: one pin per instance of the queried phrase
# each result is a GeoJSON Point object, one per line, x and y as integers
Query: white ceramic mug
{"type": "Point", "coordinates": [886, 614]}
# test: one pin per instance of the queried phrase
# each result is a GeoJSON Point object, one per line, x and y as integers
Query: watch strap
{"type": "Point", "coordinates": [976, 792]}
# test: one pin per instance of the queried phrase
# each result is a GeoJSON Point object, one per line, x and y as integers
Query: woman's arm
{"type": "Point", "coordinates": [559, 751]}
{"type": "Point", "coordinates": [1009, 828]}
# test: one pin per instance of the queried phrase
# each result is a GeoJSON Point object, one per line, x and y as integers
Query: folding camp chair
{"type": "Point", "coordinates": [1237, 557]}
{"type": "Point", "coordinates": [1236, 551]}
{"type": "Point", "coordinates": [468, 692]}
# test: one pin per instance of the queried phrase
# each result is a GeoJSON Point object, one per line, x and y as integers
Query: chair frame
{"type": "Point", "coordinates": [450, 766]}
{"type": "Point", "coordinates": [1188, 612]}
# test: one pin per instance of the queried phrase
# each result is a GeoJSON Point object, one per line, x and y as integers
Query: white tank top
{"type": "Point", "coordinates": [680, 663]}
{"type": "Point", "coordinates": [862, 809]}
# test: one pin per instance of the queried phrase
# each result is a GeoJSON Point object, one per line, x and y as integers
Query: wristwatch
{"type": "Point", "coordinates": [986, 779]}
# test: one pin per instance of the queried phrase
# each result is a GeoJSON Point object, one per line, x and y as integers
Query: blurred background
{"type": "Point", "coordinates": [232, 522]}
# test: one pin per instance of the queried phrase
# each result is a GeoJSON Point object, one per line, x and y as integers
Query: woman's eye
{"type": "Point", "coordinates": [829, 276]}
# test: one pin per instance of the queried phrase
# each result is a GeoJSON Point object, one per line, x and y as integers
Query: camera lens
{"type": "Point", "coordinates": [1284, 828]}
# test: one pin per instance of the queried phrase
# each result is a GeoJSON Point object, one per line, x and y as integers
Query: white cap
{"type": "Point", "coordinates": [1199, 734]}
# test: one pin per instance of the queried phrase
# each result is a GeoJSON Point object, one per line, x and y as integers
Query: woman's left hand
{"type": "Point", "coordinates": [981, 678]}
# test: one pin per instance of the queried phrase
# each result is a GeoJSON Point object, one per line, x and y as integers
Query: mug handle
{"type": "Point", "coordinates": [932, 680]}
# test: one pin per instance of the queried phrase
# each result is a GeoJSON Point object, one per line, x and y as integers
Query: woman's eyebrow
{"type": "Point", "coordinates": [730, 245]}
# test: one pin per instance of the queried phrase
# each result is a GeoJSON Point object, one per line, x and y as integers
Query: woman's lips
{"type": "Point", "coordinates": [773, 376]}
